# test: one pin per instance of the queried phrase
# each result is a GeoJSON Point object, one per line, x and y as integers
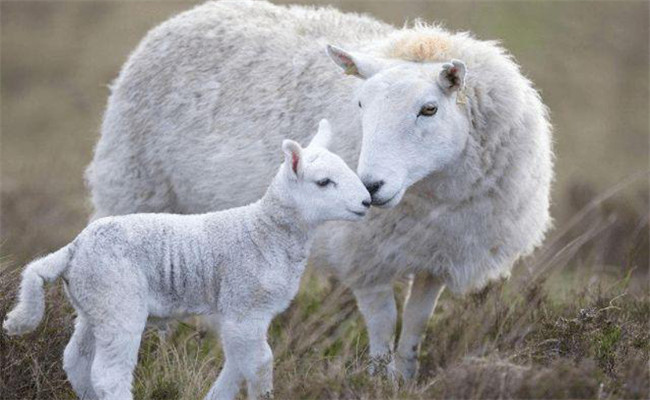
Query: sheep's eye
{"type": "Point", "coordinates": [359, 104]}
{"type": "Point", "coordinates": [324, 182]}
{"type": "Point", "coordinates": [428, 110]}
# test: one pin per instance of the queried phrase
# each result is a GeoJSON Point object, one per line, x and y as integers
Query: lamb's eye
{"type": "Point", "coordinates": [359, 104]}
{"type": "Point", "coordinates": [324, 182]}
{"type": "Point", "coordinates": [428, 110]}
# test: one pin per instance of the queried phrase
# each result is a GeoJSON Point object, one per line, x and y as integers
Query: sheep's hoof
{"type": "Point", "coordinates": [383, 366]}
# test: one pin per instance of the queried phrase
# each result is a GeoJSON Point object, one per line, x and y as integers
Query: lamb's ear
{"type": "Point", "coordinates": [324, 135]}
{"type": "Point", "coordinates": [452, 76]}
{"type": "Point", "coordinates": [292, 156]}
{"type": "Point", "coordinates": [359, 65]}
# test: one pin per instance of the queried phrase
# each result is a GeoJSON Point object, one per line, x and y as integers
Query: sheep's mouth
{"type": "Point", "coordinates": [380, 203]}
{"type": "Point", "coordinates": [390, 202]}
{"type": "Point", "coordinates": [358, 213]}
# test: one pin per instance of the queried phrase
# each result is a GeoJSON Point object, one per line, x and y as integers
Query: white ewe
{"type": "Point", "coordinates": [243, 265]}
{"type": "Point", "coordinates": [462, 155]}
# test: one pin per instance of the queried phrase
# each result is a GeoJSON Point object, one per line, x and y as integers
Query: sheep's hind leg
{"type": "Point", "coordinates": [116, 354]}
{"type": "Point", "coordinates": [78, 358]}
{"type": "Point", "coordinates": [377, 304]}
{"type": "Point", "coordinates": [425, 291]}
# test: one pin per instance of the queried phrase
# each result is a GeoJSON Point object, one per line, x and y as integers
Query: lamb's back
{"type": "Point", "coordinates": [176, 264]}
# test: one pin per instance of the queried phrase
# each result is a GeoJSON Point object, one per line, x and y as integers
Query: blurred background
{"type": "Point", "coordinates": [590, 61]}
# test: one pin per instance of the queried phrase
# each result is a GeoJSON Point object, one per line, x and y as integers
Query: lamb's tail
{"type": "Point", "coordinates": [27, 314]}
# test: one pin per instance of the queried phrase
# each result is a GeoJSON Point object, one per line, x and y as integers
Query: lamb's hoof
{"type": "Point", "coordinates": [407, 366]}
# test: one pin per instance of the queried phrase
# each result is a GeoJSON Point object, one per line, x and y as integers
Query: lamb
{"type": "Point", "coordinates": [243, 265]}
{"type": "Point", "coordinates": [453, 141]}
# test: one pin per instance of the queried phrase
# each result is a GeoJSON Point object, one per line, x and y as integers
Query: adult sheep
{"type": "Point", "coordinates": [457, 155]}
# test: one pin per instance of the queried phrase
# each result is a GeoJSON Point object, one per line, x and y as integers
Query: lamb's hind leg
{"type": "Point", "coordinates": [78, 358]}
{"type": "Point", "coordinates": [420, 303]}
{"type": "Point", "coordinates": [116, 354]}
{"type": "Point", "coordinates": [377, 304]}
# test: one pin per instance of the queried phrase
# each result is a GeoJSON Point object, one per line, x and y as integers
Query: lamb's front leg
{"type": "Point", "coordinates": [259, 370]}
{"type": "Point", "coordinates": [226, 386]}
{"type": "Point", "coordinates": [248, 356]}
{"type": "Point", "coordinates": [377, 304]}
{"type": "Point", "coordinates": [420, 303]}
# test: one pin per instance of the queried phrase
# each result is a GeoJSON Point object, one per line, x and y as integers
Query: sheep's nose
{"type": "Point", "coordinates": [366, 203]}
{"type": "Point", "coordinates": [373, 187]}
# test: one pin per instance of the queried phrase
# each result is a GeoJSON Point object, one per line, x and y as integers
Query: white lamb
{"type": "Point", "coordinates": [242, 264]}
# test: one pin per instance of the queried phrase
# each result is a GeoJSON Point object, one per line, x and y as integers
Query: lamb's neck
{"type": "Point", "coordinates": [278, 211]}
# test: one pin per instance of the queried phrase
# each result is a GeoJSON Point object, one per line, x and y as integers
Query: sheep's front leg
{"type": "Point", "coordinates": [377, 304]}
{"type": "Point", "coordinates": [248, 356]}
{"type": "Point", "coordinates": [425, 291]}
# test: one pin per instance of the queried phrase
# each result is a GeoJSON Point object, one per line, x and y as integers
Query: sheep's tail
{"type": "Point", "coordinates": [27, 314]}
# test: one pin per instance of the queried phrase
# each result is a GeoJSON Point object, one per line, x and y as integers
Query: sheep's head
{"type": "Point", "coordinates": [321, 184]}
{"type": "Point", "coordinates": [414, 120]}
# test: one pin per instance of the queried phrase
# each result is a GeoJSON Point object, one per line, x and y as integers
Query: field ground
{"type": "Point", "coordinates": [572, 322]}
{"type": "Point", "coordinates": [551, 331]}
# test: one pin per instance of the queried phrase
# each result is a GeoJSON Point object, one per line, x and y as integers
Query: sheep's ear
{"type": "Point", "coordinates": [293, 157]}
{"type": "Point", "coordinates": [324, 135]}
{"type": "Point", "coordinates": [355, 64]}
{"type": "Point", "coordinates": [452, 76]}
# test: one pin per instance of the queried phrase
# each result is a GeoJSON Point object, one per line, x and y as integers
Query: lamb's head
{"type": "Point", "coordinates": [413, 119]}
{"type": "Point", "coordinates": [320, 183]}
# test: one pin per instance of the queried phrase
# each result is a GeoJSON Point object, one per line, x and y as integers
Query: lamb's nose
{"type": "Point", "coordinates": [373, 187]}
{"type": "Point", "coordinates": [366, 203]}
